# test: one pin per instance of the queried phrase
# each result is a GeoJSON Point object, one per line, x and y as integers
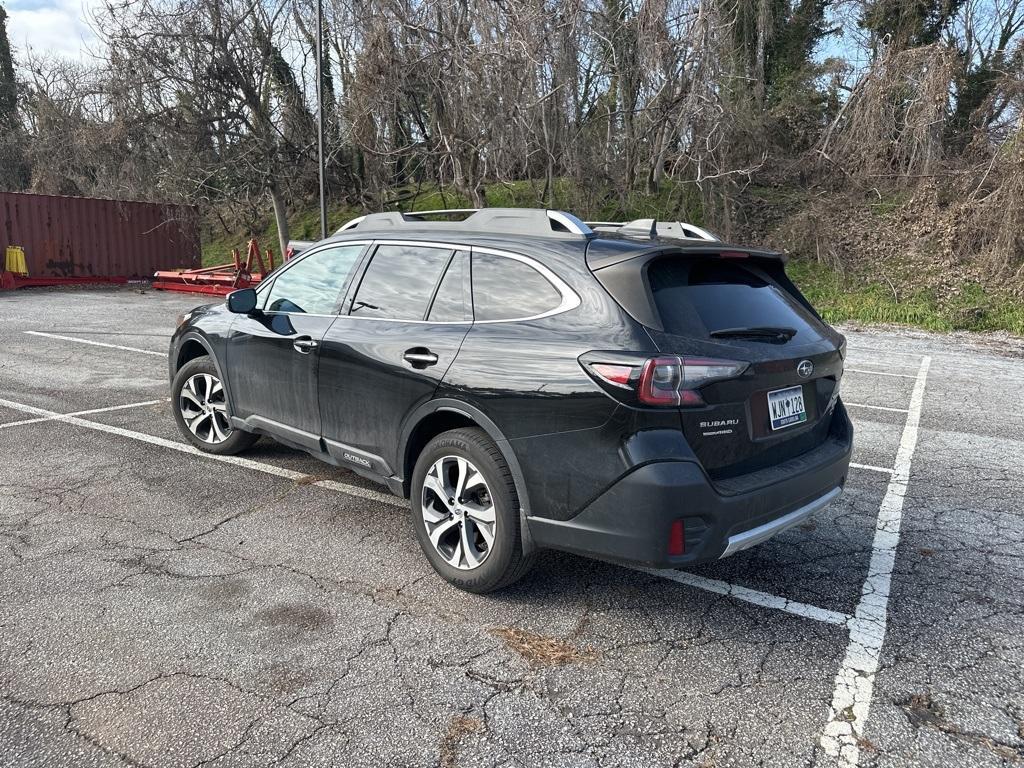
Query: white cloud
{"type": "Point", "coordinates": [59, 27]}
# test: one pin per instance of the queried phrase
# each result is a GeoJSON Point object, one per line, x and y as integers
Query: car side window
{"type": "Point", "coordinates": [452, 301]}
{"type": "Point", "coordinates": [509, 289]}
{"type": "Point", "coordinates": [399, 282]}
{"type": "Point", "coordinates": [313, 284]}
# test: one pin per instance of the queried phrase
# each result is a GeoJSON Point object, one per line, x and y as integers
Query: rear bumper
{"type": "Point", "coordinates": [754, 536]}
{"type": "Point", "coordinates": [631, 520]}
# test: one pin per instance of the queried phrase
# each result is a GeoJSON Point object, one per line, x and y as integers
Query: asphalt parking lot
{"type": "Point", "coordinates": [164, 608]}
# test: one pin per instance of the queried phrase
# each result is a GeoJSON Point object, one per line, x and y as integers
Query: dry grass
{"type": "Point", "coordinates": [459, 727]}
{"type": "Point", "coordinates": [993, 215]}
{"type": "Point", "coordinates": [866, 745]}
{"type": "Point", "coordinates": [541, 650]}
{"type": "Point", "coordinates": [923, 711]}
{"type": "Point", "coordinates": [894, 117]}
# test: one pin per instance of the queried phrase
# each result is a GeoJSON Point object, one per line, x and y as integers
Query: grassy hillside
{"type": "Point", "coordinates": [877, 260]}
{"type": "Point", "coordinates": [843, 298]}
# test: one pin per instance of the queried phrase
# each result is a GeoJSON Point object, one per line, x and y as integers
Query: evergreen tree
{"type": "Point", "coordinates": [14, 172]}
{"type": "Point", "coordinates": [8, 84]}
{"type": "Point", "coordinates": [908, 23]}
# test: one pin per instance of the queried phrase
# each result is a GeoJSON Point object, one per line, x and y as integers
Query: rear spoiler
{"type": "Point", "coordinates": [608, 252]}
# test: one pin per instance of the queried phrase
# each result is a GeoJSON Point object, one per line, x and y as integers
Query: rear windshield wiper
{"type": "Point", "coordinates": [757, 332]}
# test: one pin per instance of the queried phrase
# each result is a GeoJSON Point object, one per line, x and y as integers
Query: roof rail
{"type": "Point", "coordinates": [522, 221]}
{"type": "Point", "coordinates": [442, 211]}
{"type": "Point", "coordinates": [649, 229]}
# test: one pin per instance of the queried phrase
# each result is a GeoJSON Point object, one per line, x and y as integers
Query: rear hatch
{"type": "Point", "coordinates": [738, 306]}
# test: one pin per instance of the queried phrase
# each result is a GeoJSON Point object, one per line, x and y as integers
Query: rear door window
{"type": "Point", "coordinates": [399, 282]}
{"type": "Point", "coordinates": [701, 296]}
{"type": "Point", "coordinates": [509, 289]}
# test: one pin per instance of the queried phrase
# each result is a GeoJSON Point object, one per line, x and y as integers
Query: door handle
{"type": "Point", "coordinates": [419, 357]}
{"type": "Point", "coordinates": [304, 345]}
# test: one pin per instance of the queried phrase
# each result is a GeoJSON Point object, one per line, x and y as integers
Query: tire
{"type": "Point", "coordinates": [205, 407]}
{"type": "Point", "coordinates": [460, 527]}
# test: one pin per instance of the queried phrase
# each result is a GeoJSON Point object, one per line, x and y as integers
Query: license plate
{"type": "Point", "coordinates": [786, 407]}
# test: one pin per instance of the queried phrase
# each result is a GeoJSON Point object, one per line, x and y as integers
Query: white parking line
{"type": "Point", "coordinates": [855, 681]}
{"type": "Point", "coordinates": [238, 461]}
{"type": "Point", "coordinates": [855, 351]}
{"type": "Point", "coordinates": [872, 467]}
{"type": "Point", "coordinates": [355, 490]}
{"type": "Point", "coordinates": [875, 407]}
{"type": "Point", "coordinates": [763, 599]}
{"type": "Point", "coordinates": [746, 594]}
{"type": "Point", "coordinates": [95, 343]}
{"type": "Point", "coordinates": [882, 373]}
{"type": "Point", "coordinates": [65, 416]}
{"type": "Point", "coordinates": [907, 367]}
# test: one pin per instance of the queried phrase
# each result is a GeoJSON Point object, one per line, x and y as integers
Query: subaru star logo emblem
{"type": "Point", "coordinates": [805, 369]}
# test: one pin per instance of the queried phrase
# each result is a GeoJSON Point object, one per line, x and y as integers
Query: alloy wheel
{"type": "Point", "coordinates": [204, 408]}
{"type": "Point", "coordinates": [458, 511]}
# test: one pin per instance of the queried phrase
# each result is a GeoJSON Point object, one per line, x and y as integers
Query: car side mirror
{"type": "Point", "coordinates": [242, 301]}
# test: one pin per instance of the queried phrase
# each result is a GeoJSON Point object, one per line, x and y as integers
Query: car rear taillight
{"type": "Point", "coordinates": [665, 381]}
{"type": "Point", "coordinates": [619, 375]}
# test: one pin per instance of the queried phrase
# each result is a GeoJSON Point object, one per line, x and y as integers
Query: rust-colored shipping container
{"type": "Point", "coordinates": [81, 237]}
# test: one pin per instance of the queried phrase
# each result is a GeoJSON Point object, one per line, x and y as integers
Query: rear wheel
{"type": "Point", "coordinates": [200, 408]}
{"type": "Point", "coordinates": [465, 511]}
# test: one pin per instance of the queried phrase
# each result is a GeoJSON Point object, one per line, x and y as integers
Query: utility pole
{"type": "Point", "coordinates": [320, 112]}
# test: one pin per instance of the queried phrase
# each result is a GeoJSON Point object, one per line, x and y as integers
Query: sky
{"type": "Point", "coordinates": [61, 27]}
{"type": "Point", "coordinates": [50, 27]}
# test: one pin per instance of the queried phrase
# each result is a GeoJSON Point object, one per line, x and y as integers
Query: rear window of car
{"type": "Point", "coordinates": [509, 289]}
{"type": "Point", "coordinates": [701, 296]}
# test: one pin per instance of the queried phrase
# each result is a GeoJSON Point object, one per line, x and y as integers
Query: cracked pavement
{"type": "Point", "coordinates": [165, 609]}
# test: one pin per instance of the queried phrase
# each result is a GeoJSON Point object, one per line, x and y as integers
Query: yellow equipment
{"type": "Point", "coordinates": [15, 260]}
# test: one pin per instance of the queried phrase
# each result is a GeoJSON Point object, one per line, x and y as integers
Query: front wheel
{"type": "Point", "coordinates": [200, 408]}
{"type": "Point", "coordinates": [465, 511]}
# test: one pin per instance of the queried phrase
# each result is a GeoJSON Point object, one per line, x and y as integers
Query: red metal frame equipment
{"type": "Point", "coordinates": [221, 279]}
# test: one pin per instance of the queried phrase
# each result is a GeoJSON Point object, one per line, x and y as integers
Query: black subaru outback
{"type": "Point", "coordinates": [640, 392]}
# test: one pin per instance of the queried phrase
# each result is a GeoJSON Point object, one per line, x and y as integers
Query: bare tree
{"type": "Point", "coordinates": [582, 103]}
{"type": "Point", "coordinates": [217, 69]}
